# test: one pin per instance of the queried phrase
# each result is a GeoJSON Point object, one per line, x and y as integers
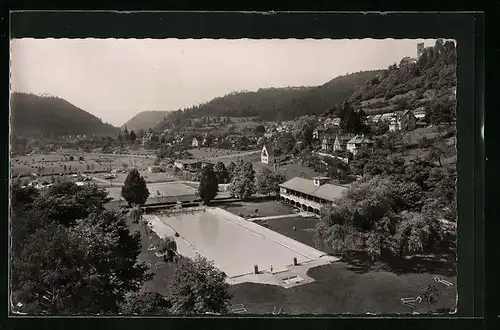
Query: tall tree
{"type": "Point", "coordinates": [221, 172]}
{"type": "Point", "coordinates": [135, 190]}
{"type": "Point", "coordinates": [268, 182]}
{"type": "Point", "coordinates": [198, 288]}
{"type": "Point", "coordinates": [243, 182]}
{"type": "Point", "coordinates": [260, 130]}
{"type": "Point", "coordinates": [145, 303]}
{"type": "Point", "coordinates": [230, 170]}
{"type": "Point", "coordinates": [168, 247]}
{"type": "Point", "coordinates": [132, 137]}
{"type": "Point", "coordinates": [86, 268]}
{"type": "Point", "coordinates": [208, 187]}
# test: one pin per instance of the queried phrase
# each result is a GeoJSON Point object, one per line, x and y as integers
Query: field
{"type": "Point", "coordinates": [290, 170]}
{"type": "Point", "coordinates": [53, 163]}
{"type": "Point", "coordinates": [120, 178]}
{"type": "Point", "coordinates": [165, 189]}
{"type": "Point", "coordinates": [265, 208]}
{"type": "Point", "coordinates": [223, 155]}
{"type": "Point", "coordinates": [429, 132]}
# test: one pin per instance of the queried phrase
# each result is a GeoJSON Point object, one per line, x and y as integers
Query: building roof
{"type": "Point", "coordinates": [269, 147]}
{"type": "Point", "coordinates": [344, 138]}
{"type": "Point", "coordinates": [187, 161]}
{"type": "Point", "coordinates": [326, 191]}
{"type": "Point", "coordinates": [360, 139]}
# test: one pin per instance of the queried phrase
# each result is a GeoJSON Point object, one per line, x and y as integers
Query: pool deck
{"type": "Point", "coordinates": [235, 245]}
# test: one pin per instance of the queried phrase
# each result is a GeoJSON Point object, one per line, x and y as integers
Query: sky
{"type": "Point", "coordinates": [115, 79]}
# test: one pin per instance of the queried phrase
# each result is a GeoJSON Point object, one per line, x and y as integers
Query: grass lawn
{"type": "Point", "coordinates": [354, 286]}
{"type": "Point", "coordinates": [213, 153]}
{"type": "Point", "coordinates": [265, 208]}
{"type": "Point", "coordinates": [338, 289]}
{"type": "Point", "coordinates": [148, 176]}
{"type": "Point", "coordinates": [163, 272]}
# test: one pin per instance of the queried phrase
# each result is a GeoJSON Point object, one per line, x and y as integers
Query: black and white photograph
{"type": "Point", "coordinates": [188, 177]}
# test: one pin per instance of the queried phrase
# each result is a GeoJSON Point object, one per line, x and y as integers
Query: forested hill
{"type": "Point", "coordinates": [278, 103]}
{"type": "Point", "coordinates": [145, 120]}
{"type": "Point", "coordinates": [427, 83]}
{"type": "Point", "coordinates": [42, 116]}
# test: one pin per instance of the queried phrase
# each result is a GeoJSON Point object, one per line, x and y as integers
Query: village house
{"type": "Point", "coordinates": [419, 113]}
{"type": "Point", "coordinates": [340, 143]}
{"type": "Point", "coordinates": [154, 169]}
{"type": "Point", "coordinates": [191, 165]}
{"type": "Point", "coordinates": [310, 195]}
{"type": "Point", "coordinates": [195, 143]}
{"type": "Point", "coordinates": [387, 117]}
{"type": "Point", "coordinates": [147, 137]}
{"type": "Point", "coordinates": [270, 155]}
{"type": "Point", "coordinates": [327, 144]}
{"type": "Point", "coordinates": [357, 143]}
{"type": "Point", "coordinates": [404, 122]}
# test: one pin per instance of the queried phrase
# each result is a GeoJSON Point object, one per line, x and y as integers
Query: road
{"type": "Point", "coordinates": [235, 155]}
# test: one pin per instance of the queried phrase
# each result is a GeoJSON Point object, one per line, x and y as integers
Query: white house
{"type": "Point", "coordinates": [270, 155]}
{"type": "Point", "coordinates": [357, 143]}
{"type": "Point", "coordinates": [195, 142]}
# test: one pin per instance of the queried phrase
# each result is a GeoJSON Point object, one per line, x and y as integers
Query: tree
{"type": "Point", "coordinates": [366, 218]}
{"type": "Point", "coordinates": [208, 187]}
{"type": "Point", "coordinates": [260, 130]}
{"type": "Point", "coordinates": [135, 214]}
{"type": "Point", "coordinates": [350, 120]}
{"type": "Point", "coordinates": [242, 184]}
{"type": "Point", "coordinates": [86, 268]}
{"type": "Point", "coordinates": [424, 143]}
{"type": "Point", "coordinates": [134, 189]}
{"type": "Point", "coordinates": [230, 170]}
{"type": "Point", "coordinates": [145, 303]}
{"type": "Point", "coordinates": [198, 288]}
{"type": "Point", "coordinates": [126, 135]}
{"type": "Point", "coordinates": [221, 172]}
{"type": "Point", "coordinates": [132, 137]}
{"type": "Point", "coordinates": [430, 294]}
{"type": "Point", "coordinates": [168, 247]}
{"type": "Point", "coordinates": [268, 182]}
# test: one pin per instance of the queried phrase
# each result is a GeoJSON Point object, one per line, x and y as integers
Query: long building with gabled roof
{"type": "Point", "coordinates": [310, 195]}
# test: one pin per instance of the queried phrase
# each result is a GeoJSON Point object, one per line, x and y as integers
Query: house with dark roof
{"type": "Point", "coordinates": [270, 154]}
{"type": "Point", "coordinates": [310, 195]}
{"type": "Point", "coordinates": [191, 165]}
{"type": "Point", "coordinates": [359, 142]}
{"type": "Point", "coordinates": [327, 143]}
{"type": "Point", "coordinates": [340, 143]}
{"type": "Point", "coordinates": [406, 121]}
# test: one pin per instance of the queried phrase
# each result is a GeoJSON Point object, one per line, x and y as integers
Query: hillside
{"type": "Point", "coordinates": [145, 120]}
{"type": "Point", "coordinates": [427, 83]}
{"type": "Point", "coordinates": [277, 103]}
{"type": "Point", "coordinates": [41, 116]}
